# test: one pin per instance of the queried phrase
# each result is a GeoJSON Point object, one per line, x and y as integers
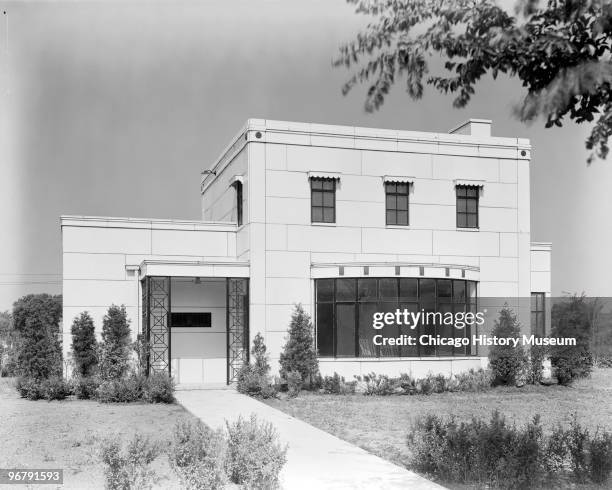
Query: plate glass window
{"type": "Point", "coordinates": [467, 206]}
{"type": "Point", "coordinates": [396, 197]}
{"type": "Point", "coordinates": [323, 200]}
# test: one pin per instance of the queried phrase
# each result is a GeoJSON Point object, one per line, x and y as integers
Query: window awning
{"type": "Point", "coordinates": [469, 182]}
{"type": "Point", "coordinates": [396, 179]}
{"type": "Point", "coordinates": [323, 175]}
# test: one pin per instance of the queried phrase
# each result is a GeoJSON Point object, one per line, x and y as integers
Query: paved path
{"type": "Point", "coordinates": [315, 460]}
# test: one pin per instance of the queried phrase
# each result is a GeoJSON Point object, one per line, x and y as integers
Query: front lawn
{"type": "Point", "coordinates": [67, 434]}
{"type": "Point", "coordinates": [380, 424]}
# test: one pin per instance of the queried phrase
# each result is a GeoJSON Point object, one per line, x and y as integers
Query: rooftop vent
{"type": "Point", "coordinates": [474, 127]}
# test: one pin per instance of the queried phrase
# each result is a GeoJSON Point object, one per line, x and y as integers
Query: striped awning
{"type": "Point", "coordinates": [397, 179]}
{"type": "Point", "coordinates": [323, 175]}
{"type": "Point", "coordinates": [469, 182]}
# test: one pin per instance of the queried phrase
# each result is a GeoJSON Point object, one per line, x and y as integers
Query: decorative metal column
{"type": "Point", "coordinates": [156, 323]}
{"type": "Point", "coordinates": [237, 326]}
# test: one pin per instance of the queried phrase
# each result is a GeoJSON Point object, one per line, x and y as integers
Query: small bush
{"type": "Point", "coordinates": [198, 456]}
{"type": "Point", "coordinates": [55, 388]}
{"type": "Point", "coordinates": [474, 380]}
{"type": "Point", "coordinates": [600, 457]}
{"type": "Point", "coordinates": [299, 352]}
{"type": "Point", "coordinates": [255, 456]}
{"type": "Point", "coordinates": [603, 361]}
{"type": "Point", "coordinates": [114, 351]}
{"type": "Point", "coordinates": [250, 381]}
{"type": "Point", "coordinates": [378, 384]}
{"type": "Point", "coordinates": [85, 388]}
{"type": "Point", "coordinates": [84, 345]}
{"type": "Point", "coordinates": [294, 383]}
{"type": "Point", "coordinates": [259, 352]}
{"type": "Point", "coordinates": [158, 388]}
{"type": "Point", "coordinates": [125, 390]}
{"type": "Point", "coordinates": [129, 468]}
{"type": "Point", "coordinates": [30, 388]}
{"type": "Point", "coordinates": [336, 385]}
{"type": "Point", "coordinates": [535, 364]}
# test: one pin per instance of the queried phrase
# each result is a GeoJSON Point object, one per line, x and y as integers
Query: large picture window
{"type": "Point", "coordinates": [323, 200]}
{"type": "Point", "coordinates": [467, 206]}
{"type": "Point", "coordinates": [345, 309]}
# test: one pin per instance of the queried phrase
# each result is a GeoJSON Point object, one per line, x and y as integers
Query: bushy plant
{"type": "Point", "coordinates": [259, 352]}
{"type": "Point", "coordinates": [600, 457]}
{"type": "Point", "coordinates": [474, 380]}
{"type": "Point", "coordinates": [299, 353]}
{"type": "Point", "coordinates": [36, 319]}
{"type": "Point", "coordinates": [85, 388]}
{"type": "Point", "coordinates": [124, 390]}
{"type": "Point", "coordinates": [572, 319]}
{"type": "Point", "coordinates": [114, 353]}
{"type": "Point", "coordinates": [254, 379]}
{"type": "Point", "coordinates": [378, 384]}
{"type": "Point", "coordinates": [84, 346]}
{"type": "Point", "coordinates": [158, 388]}
{"type": "Point", "coordinates": [506, 361]}
{"type": "Point", "coordinates": [294, 383]}
{"type": "Point", "coordinates": [128, 468]}
{"type": "Point", "coordinates": [336, 385]}
{"type": "Point", "coordinates": [30, 388]}
{"type": "Point", "coordinates": [8, 346]}
{"type": "Point", "coordinates": [198, 456]}
{"type": "Point", "coordinates": [255, 456]}
{"type": "Point", "coordinates": [535, 364]}
{"type": "Point", "coordinates": [54, 388]}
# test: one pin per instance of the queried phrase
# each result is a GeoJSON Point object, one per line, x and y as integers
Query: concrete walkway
{"type": "Point", "coordinates": [316, 459]}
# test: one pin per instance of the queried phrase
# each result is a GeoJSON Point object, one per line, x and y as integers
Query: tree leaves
{"type": "Point", "coordinates": [559, 49]}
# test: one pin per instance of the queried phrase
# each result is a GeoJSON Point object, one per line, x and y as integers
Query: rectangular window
{"type": "Point", "coordinates": [345, 309]}
{"type": "Point", "coordinates": [323, 200]}
{"type": "Point", "coordinates": [396, 197]}
{"type": "Point", "coordinates": [238, 186]}
{"type": "Point", "coordinates": [182, 320]}
{"type": "Point", "coordinates": [467, 206]}
{"type": "Point", "coordinates": [538, 318]}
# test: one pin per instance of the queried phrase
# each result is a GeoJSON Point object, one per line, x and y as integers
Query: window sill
{"type": "Point", "coordinates": [398, 227]}
{"type": "Point", "coordinates": [324, 224]}
{"type": "Point", "coordinates": [387, 359]}
{"type": "Point", "coordinates": [469, 230]}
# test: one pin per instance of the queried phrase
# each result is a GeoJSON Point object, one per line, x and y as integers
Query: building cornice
{"type": "Point", "coordinates": [146, 223]}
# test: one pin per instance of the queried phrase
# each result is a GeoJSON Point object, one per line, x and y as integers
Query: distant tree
{"type": "Point", "coordinates": [559, 50]}
{"type": "Point", "coordinates": [115, 348]}
{"type": "Point", "coordinates": [84, 346]}
{"type": "Point", "coordinates": [299, 353]}
{"type": "Point", "coordinates": [506, 361]}
{"type": "Point", "coordinates": [36, 319]}
{"type": "Point", "coordinates": [572, 318]}
{"type": "Point", "coordinates": [8, 345]}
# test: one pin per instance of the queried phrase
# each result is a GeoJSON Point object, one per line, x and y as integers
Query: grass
{"type": "Point", "coordinates": [67, 434]}
{"type": "Point", "coordinates": [380, 424]}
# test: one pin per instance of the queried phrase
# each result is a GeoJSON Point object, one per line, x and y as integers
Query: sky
{"type": "Point", "coordinates": [114, 109]}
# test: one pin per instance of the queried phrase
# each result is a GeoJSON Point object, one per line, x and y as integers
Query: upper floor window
{"type": "Point", "coordinates": [538, 325]}
{"type": "Point", "coordinates": [467, 206]}
{"type": "Point", "coordinates": [396, 195]}
{"type": "Point", "coordinates": [238, 186]}
{"type": "Point", "coordinates": [323, 200]}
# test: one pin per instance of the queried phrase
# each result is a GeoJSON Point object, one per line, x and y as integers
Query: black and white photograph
{"type": "Point", "coordinates": [306, 244]}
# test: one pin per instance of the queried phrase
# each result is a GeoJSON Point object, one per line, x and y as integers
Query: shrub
{"type": "Point", "coordinates": [603, 361]}
{"type": "Point", "coordinates": [158, 388]}
{"type": "Point", "coordinates": [255, 456]}
{"type": "Point", "coordinates": [129, 468]}
{"type": "Point", "coordinates": [294, 383]}
{"type": "Point", "coordinates": [8, 346]}
{"type": "Point", "coordinates": [84, 345]}
{"type": "Point", "coordinates": [114, 354]}
{"type": "Point", "coordinates": [506, 361]}
{"type": "Point", "coordinates": [259, 353]}
{"type": "Point", "coordinates": [600, 457]}
{"type": "Point", "coordinates": [572, 318]}
{"type": "Point", "coordinates": [36, 319]}
{"type": "Point", "coordinates": [85, 388]}
{"type": "Point", "coordinates": [535, 366]}
{"type": "Point", "coordinates": [378, 384]}
{"type": "Point", "coordinates": [30, 388]}
{"type": "Point", "coordinates": [299, 353]}
{"type": "Point", "coordinates": [55, 388]}
{"type": "Point", "coordinates": [129, 389]}
{"type": "Point", "coordinates": [474, 380]}
{"type": "Point", "coordinates": [198, 456]}
{"type": "Point", "coordinates": [336, 385]}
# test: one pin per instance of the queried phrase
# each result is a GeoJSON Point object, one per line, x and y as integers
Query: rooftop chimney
{"type": "Point", "coordinates": [474, 127]}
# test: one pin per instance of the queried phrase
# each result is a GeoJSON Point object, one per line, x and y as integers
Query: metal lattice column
{"type": "Point", "coordinates": [237, 326]}
{"type": "Point", "coordinates": [157, 323]}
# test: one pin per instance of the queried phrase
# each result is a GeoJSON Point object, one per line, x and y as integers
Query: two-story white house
{"type": "Point", "coordinates": [347, 221]}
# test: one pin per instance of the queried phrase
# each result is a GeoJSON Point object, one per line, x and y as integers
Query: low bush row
{"type": "Point", "coordinates": [247, 454]}
{"type": "Point", "coordinates": [156, 388]}
{"type": "Point", "coordinates": [382, 385]}
{"type": "Point", "coordinates": [497, 454]}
